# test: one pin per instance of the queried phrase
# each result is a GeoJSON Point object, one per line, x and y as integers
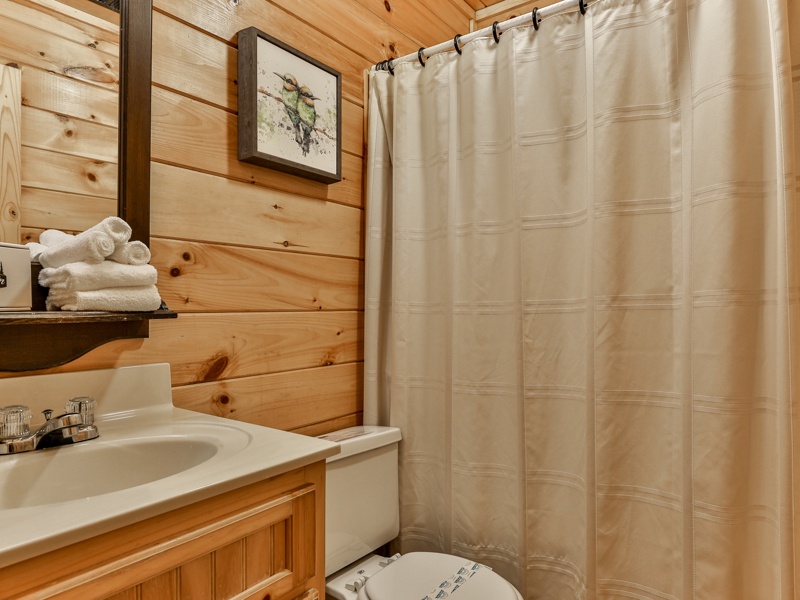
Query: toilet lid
{"type": "Point", "coordinates": [433, 576]}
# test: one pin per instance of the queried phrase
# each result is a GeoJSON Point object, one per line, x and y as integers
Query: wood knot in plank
{"type": "Point", "coordinates": [223, 404]}
{"type": "Point", "coordinates": [175, 272]}
{"type": "Point", "coordinates": [287, 244]}
{"type": "Point", "coordinates": [213, 370]}
{"type": "Point", "coordinates": [11, 211]}
{"type": "Point", "coordinates": [90, 74]}
{"type": "Point", "coordinates": [329, 359]}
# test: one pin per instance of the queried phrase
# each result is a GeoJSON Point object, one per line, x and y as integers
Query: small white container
{"type": "Point", "coordinates": [15, 277]}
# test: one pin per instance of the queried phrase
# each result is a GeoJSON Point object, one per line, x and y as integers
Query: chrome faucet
{"type": "Point", "coordinates": [75, 425]}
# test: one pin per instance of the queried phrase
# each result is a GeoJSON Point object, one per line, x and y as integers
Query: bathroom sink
{"type": "Point", "coordinates": [91, 469]}
{"type": "Point", "coordinates": [150, 458]}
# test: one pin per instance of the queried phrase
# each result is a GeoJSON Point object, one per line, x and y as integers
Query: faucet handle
{"type": "Point", "coordinates": [15, 421]}
{"type": "Point", "coordinates": [83, 405]}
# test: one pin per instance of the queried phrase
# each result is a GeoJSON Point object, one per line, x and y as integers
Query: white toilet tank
{"type": "Point", "coordinates": [362, 510]}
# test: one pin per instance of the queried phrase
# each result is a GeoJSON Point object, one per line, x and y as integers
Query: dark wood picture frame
{"type": "Point", "coordinates": [296, 129]}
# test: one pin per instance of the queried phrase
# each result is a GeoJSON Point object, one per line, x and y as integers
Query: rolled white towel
{"type": "Point", "coordinates": [89, 246]}
{"type": "Point", "coordinates": [54, 237]}
{"type": "Point", "coordinates": [131, 253]}
{"type": "Point", "coordinates": [116, 228]}
{"type": "Point", "coordinates": [126, 299]}
{"type": "Point", "coordinates": [81, 276]}
{"type": "Point", "coordinates": [36, 250]}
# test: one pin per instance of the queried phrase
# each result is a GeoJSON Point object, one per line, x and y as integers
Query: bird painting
{"type": "Point", "coordinates": [290, 95]}
{"type": "Point", "coordinates": [289, 109]}
{"type": "Point", "coordinates": [307, 114]}
{"type": "Point", "coordinates": [298, 102]}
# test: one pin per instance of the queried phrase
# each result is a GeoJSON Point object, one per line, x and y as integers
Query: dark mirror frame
{"type": "Point", "coordinates": [136, 54]}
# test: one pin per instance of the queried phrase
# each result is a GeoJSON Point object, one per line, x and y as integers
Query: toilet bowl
{"type": "Point", "coordinates": [362, 513]}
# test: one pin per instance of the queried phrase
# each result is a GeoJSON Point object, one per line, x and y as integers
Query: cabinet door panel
{"type": "Point", "coordinates": [229, 570]}
{"type": "Point", "coordinates": [162, 587]}
{"type": "Point", "coordinates": [258, 556]}
{"type": "Point", "coordinates": [196, 579]}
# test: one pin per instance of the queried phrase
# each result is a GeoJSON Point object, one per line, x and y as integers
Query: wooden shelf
{"type": "Point", "coordinates": [29, 317]}
{"type": "Point", "coordinates": [35, 340]}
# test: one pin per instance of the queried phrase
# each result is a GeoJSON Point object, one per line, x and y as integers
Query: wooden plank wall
{"type": "Point", "coordinates": [265, 269]}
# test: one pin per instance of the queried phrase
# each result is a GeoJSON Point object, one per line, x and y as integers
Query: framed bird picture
{"type": "Point", "coordinates": [289, 109]}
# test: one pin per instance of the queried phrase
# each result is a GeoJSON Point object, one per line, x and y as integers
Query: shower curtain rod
{"type": "Point", "coordinates": [534, 18]}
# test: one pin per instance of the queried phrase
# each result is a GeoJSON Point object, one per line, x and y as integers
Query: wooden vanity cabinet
{"type": "Point", "coordinates": [263, 541]}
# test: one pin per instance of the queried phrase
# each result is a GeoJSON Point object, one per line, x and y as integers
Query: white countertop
{"type": "Point", "coordinates": [41, 491]}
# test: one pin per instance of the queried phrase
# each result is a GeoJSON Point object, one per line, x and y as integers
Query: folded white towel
{"type": "Point", "coordinates": [127, 299]}
{"type": "Point", "coordinates": [116, 228]}
{"type": "Point", "coordinates": [131, 253]}
{"type": "Point", "coordinates": [36, 250]}
{"type": "Point", "coordinates": [89, 246]}
{"type": "Point", "coordinates": [81, 276]}
{"type": "Point", "coordinates": [53, 237]}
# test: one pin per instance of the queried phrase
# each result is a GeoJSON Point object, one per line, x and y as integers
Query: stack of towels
{"type": "Point", "coordinates": [99, 269]}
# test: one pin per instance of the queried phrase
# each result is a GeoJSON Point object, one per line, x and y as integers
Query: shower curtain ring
{"type": "Point", "coordinates": [582, 6]}
{"type": "Point", "coordinates": [382, 65]}
{"type": "Point", "coordinates": [389, 67]}
{"type": "Point", "coordinates": [455, 43]}
{"type": "Point", "coordinates": [419, 56]}
{"type": "Point", "coordinates": [496, 35]}
{"type": "Point", "coordinates": [535, 18]}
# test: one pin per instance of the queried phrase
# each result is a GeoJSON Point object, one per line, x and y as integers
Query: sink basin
{"type": "Point", "coordinates": [90, 469]}
{"type": "Point", "coordinates": [150, 458]}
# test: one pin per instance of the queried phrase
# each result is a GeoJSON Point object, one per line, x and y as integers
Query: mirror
{"type": "Point", "coordinates": [35, 340]}
{"type": "Point", "coordinates": [133, 132]}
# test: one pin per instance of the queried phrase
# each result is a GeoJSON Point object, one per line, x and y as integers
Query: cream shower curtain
{"type": "Point", "coordinates": [582, 299]}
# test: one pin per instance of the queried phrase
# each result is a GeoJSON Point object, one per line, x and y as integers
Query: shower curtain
{"type": "Point", "coordinates": [582, 300]}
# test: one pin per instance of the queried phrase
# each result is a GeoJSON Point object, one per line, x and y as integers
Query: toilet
{"type": "Point", "coordinates": [362, 513]}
